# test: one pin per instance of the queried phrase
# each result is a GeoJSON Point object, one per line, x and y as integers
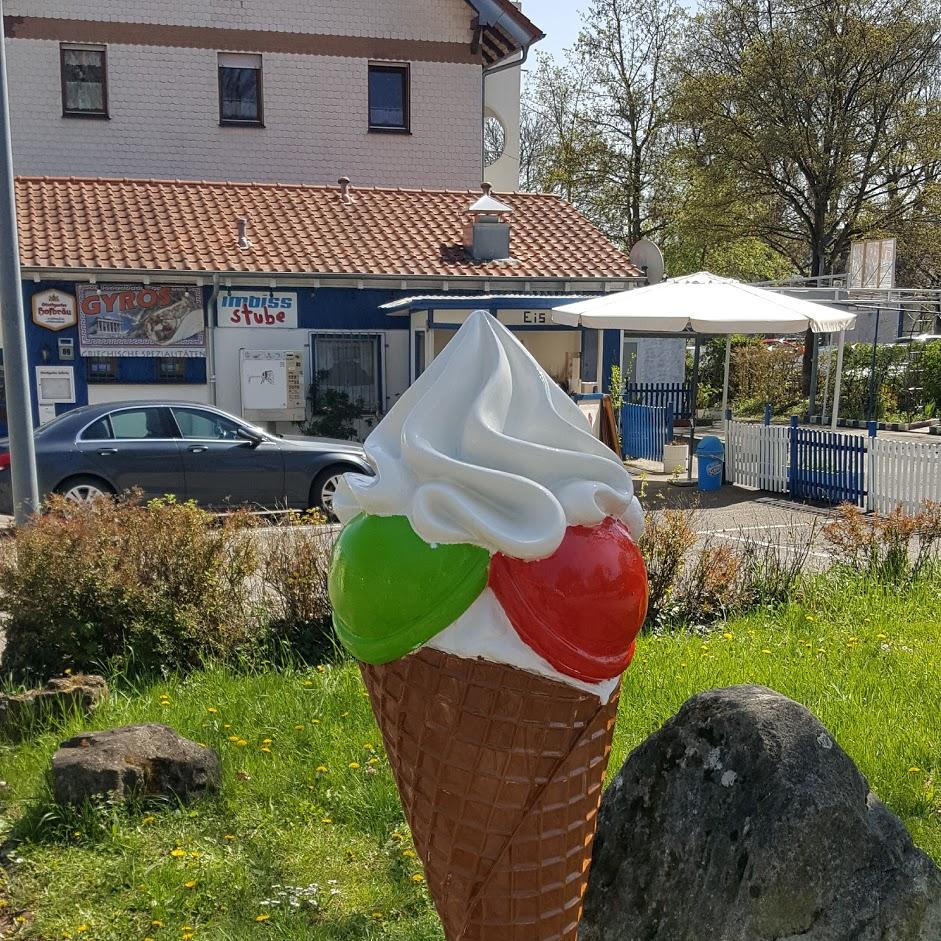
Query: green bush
{"type": "Point", "coordinates": [931, 374]}
{"type": "Point", "coordinates": [140, 588]}
{"type": "Point", "coordinates": [293, 567]}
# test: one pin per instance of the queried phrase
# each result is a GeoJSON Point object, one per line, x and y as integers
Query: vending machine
{"type": "Point", "coordinates": [272, 385]}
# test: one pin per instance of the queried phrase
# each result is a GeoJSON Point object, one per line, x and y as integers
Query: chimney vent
{"type": "Point", "coordinates": [487, 229]}
{"type": "Point", "coordinates": [344, 183]}
{"type": "Point", "coordinates": [244, 241]}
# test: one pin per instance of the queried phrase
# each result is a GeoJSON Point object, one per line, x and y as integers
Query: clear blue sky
{"type": "Point", "coordinates": [558, 19]}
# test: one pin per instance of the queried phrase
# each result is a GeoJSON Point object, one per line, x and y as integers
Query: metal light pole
{"type": "Point", "coordinates": [16, 367]}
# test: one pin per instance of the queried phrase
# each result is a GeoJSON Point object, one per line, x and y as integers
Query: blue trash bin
{"type": "Point", "coordinates": [710, 457]}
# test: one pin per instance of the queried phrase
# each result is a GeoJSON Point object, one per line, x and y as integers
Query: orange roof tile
{"type": "Point", "coordinates": [192, 226]}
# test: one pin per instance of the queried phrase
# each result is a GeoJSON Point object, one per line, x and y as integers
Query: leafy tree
{"type": "Point", "coordinates": [814, 113]}
{"type": "Point", "coordinates": [815, 116]}
{"type": "Point", "coordinates": [596, 129]}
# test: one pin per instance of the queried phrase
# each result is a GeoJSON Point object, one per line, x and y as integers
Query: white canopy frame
{"type": "Point", "coordinates": [704, 304]}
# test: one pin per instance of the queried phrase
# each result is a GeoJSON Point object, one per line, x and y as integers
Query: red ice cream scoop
{"type": "Point", "coordinates": [581, 607]}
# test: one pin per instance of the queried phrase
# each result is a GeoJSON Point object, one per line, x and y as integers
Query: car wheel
{"type": "Point", "coordinates": [82, 490]}
{"type": "Point", "coordinates": [325, 486]}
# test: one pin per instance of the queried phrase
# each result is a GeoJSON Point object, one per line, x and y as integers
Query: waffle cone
{"type": "Point", "coordinates": [500, 775]}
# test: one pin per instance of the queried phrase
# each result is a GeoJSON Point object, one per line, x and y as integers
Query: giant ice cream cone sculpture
{"type": "Point", "coordinates": [488, 581]}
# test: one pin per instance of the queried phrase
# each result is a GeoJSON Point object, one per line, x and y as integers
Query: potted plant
{"type": "Point", "coordinates": [675, 457]}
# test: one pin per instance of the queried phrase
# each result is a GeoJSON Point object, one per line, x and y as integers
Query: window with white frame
{"type": "Point", "coordinates": [349, 364]}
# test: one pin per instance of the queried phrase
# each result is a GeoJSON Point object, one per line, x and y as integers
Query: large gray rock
{"type": "Point", "coordinates": [58, 698]}
{"type": "Point", "coordinates": [742, 820]}
{"type": "Point", "coordinates": [134, 760]}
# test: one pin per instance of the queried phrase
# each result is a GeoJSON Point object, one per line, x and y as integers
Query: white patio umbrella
{"type": "Point", "coordinates": [705, 304]}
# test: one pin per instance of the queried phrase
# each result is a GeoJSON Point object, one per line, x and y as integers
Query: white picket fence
{"type": "Point", "coordinates": [758, 456]}
{"type": "Point", "coordinates": [897, 473]}
{"type": "Point", "coordinates": [902, 473]}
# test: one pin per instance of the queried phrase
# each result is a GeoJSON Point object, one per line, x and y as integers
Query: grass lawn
{"type": "Point", "coordinates": [307, 840]}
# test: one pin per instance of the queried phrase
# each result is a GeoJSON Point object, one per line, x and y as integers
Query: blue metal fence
{"type": "Point", "coordinates": [827, 466]}
{"type": "Point", "coordinates": [645, 429]}
{"type": "Point", "coordinates": [660, 394]}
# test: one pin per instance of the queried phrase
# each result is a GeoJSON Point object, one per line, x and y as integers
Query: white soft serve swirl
{"type": "Point", "coordinates": [485, 448]}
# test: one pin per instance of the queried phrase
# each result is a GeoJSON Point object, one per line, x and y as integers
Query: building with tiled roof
{"type": "Point", "coordinates": [280, 91]}
{"type": "Point", "coordinates": [193, 229]}
{"type": "Point", "coordinates": [157, 288]}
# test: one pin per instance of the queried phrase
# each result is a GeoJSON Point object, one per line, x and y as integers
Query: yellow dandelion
{"type": "Point", "coordinates": [409, 854]}
{"type": "Point", "coordinates": [190, 885]}
{"type": "Point", "coordinates": [373, 761]}
{"type": "Point", "coordinates": [354, 765]}
{"type": "Point", "coordinates": [327, 820]}
{"type": "Point", "coordinates": [308, 682]}
{"type": "Point", "coordinates": [156, 923]}
{"type": "Point", "coordinates": [728, 635]}
{"type": "Point", "coordinates": [267, 741]}
{"type": "Point", "coordinates": [211, 710]}
{"type": "Point", "coordinates": [914, 770]}
{"type": "Point", "coordinates": [298, 728]}
{"type": "Point", "coordinates": [266, 749]}
{"type": "Point", "coordinates": [343, 715]}
{"type": "Point", "coordinates": [186, 936]}
{"type": "Point", "coordinates": [262, 917]}
{"type": "Point", "coordinates": [368, 746]}
{"type": "Point", "coordinates": [148, 939]}
{"type": "Point", "coordinates": [68, 671]}
{"type": "Point", "coordinates": [321, 668]}
{"type": "Point", "coordinates": [241, 743]}
{"type": "Point", "coordinates": [81, 929]}
{"type": "Point", "coordinates": [377, 916]}
{"type": "Point", "coordinates": [227, 725]}
{"type": "Point", "coordinates": [3, 903]}
{"type": "Point", "coordinates": [233, 738]}
{"type": "Point", "coordinates": [228, 837]}
{"type": "Point", "coordinates": [178, 853]}
{"type": "Point", "coordinates": [418, 877]}
{"type": "Point", "coordinates": [148, 820]}
{"type": "Point", "coordinates": [315, 721]}
{"type": "Point", "coordinates": [195, 854]}
{"type": "Point", "coordinates": [321, 769]}
{"type": "Point", "coordinates": [765, 650]}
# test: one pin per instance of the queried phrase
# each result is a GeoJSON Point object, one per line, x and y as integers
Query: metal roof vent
{"type": "Point", "coordinates": [487, 230]}
{"type": "Point", "coordinates": [344, 184]}
{"type": "Point", "coordinates": [245, 242]}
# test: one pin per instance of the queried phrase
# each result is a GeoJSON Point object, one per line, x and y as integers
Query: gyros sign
{"type": "Point", "coordinates": [141, 320]}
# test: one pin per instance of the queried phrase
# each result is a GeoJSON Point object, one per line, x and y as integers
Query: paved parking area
{"type": "Point", "coordinates": [740, 515]}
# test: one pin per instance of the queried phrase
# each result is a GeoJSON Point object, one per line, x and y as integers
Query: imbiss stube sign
{"type": "Point", "coordinates": [257, 309]}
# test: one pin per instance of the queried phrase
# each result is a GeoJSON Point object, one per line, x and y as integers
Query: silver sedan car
{"type": "Point", "coordinates": [195, 452]}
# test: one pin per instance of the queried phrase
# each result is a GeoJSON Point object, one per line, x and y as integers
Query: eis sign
{"type": "Point", "coordinates": [257, 309]}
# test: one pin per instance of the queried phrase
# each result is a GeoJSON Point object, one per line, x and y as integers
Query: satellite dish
{"type": "Point", "coordinates": [648, 257]}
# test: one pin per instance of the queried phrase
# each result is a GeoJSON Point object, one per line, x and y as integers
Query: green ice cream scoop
{"type": "Point", "coordinates": [392, 592]}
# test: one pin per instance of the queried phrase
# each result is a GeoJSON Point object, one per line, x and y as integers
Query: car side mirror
{"type": "Point", "coordinates": [253, 439]}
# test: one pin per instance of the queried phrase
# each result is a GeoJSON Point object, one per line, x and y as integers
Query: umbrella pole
{"type": "Point", "coordinates": [837, 381]}
{"type": "Point", "coordinates": [725, 386]}
{"type": "Point", "coordinates": [694, 397]}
